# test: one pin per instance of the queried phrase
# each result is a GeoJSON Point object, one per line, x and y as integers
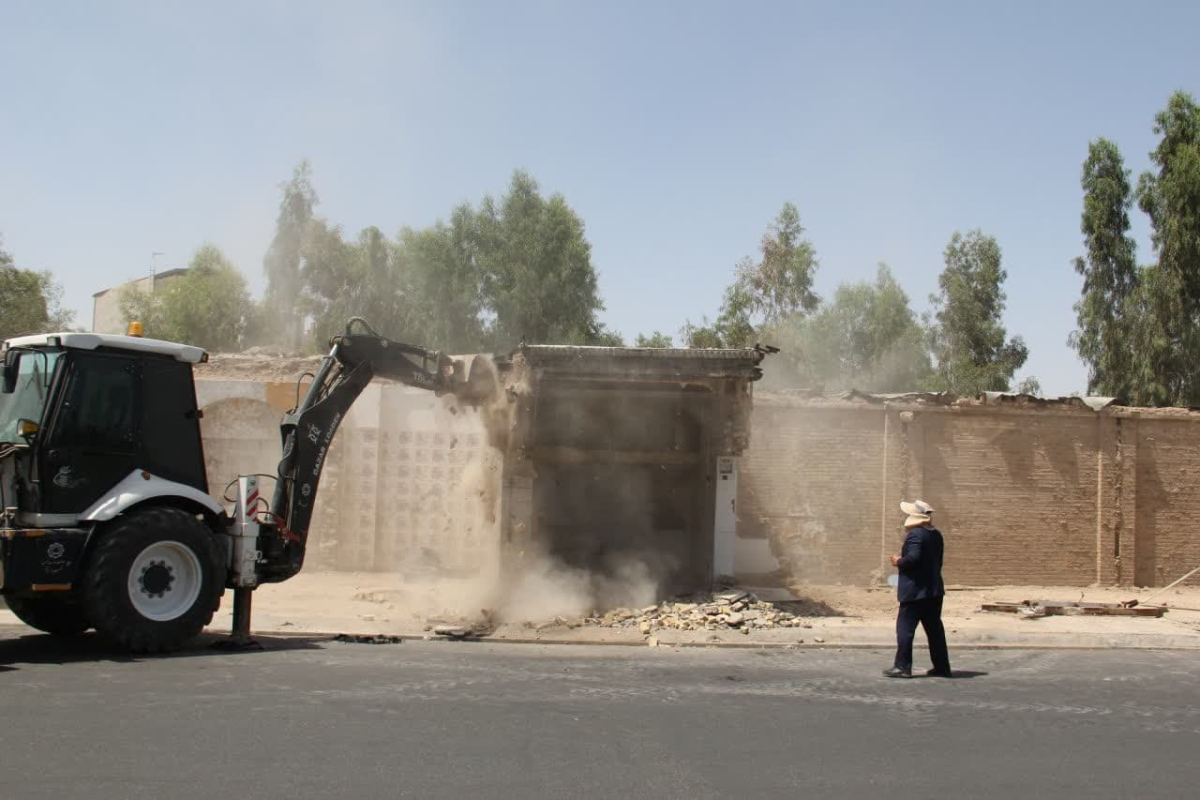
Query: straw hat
{"type": "Point", "coordinates": [919, 512]}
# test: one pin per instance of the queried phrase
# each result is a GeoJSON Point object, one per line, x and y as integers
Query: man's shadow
{"type": "Point", "coordinates": [959, 674]}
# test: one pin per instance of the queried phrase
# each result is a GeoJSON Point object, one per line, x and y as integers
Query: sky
{"type": "Point", "coordinates": [676, 130]}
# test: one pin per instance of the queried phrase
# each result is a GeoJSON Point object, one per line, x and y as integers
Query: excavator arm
{"type": "Point", "coordinates": [355, 357]}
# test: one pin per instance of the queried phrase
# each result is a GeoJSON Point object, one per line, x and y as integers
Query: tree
{"type": "Point", "coordinates": [444, 291]}
{"type": "Point", "coordinates": [1165, 308]}
{"type": "Point", "coordinates": [282, 263]}
{"type": "Point", "coordinates": [1029, 385]}
{"type": "Point", "coordinates": [867, 338]}
{"type": "Point", "coordinates": [655, 339]}
{"type": "Point", "coordinates": [735, 324]}
{"type": "Point", "coordinates": [603, 336]}
{"type": "Point", "coordinates": [30, 301]}
{"type": "Point", "coordinates": [779, 285]}
{"type": "Point", "coordinates": [537, 274]}
{"type": "Point", "coordinates": [208, 306]}
{"type": "Point", "coordinates": [704, 335]}
{"type": "Point", "coordinates": [144, 306]}
{"type": "Point", "coordinates": [1171, 196]}
{"type": "Point", "coordinates": [1105, 313]}
{"type": "Point", "coordinates": [968, 338]}
{"type": "Point", "coordinates": [348, 279]}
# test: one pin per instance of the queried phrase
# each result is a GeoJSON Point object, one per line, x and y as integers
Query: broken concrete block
{"type": "Point", "coordinates": [455, 631]}
{"type": "Point", "coordinates": [652, 641]}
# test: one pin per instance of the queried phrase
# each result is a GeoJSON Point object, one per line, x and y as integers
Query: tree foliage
{"type": "Point", "coordinates": [282, 263]}
{"type": "Point", "coordinates": [780, 283]}
{"type": "Point", "coordinates": [444, 302]}
{"type": "Point", "coordinates": [1139, 327]}
{"type": "Point", "coordinates": [970, 345]}
{"type": "Point", "coordinates": [30, 301]}
{"type": "Point", "coordinates": [777, 286]}
{"type": "Point", "coordinates": [518, 268]}
{"type": "Point", "coordinates": [207, 306]}
{"type": "Point", "coordinates": [866, 338]}
{"type": "Point", "coordinates": [1105, 311]}
{"type": "Point", "coordinates": [343, 279]}
{"type": "Point", "coordinates": [538, 282]}
{"type": "Point", "coordinates": [655, 339]}
{"type": "Point", "coordinates": [1165, 309]}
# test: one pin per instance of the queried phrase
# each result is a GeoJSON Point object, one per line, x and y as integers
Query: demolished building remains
{"type": "Point", "coordinates": [620, 454]}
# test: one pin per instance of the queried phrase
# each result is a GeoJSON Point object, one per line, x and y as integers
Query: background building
{"type": "Point", "coordinates": [106, 303]}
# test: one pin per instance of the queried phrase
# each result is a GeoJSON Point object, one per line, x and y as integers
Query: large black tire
{"type": "Point", "coordinates": [57, 614]}
{"type": "Point", "coordinates": [141, 576]}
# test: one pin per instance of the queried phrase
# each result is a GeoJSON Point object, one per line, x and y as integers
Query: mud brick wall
{"type": "Point", "coordinates": [1166, 536]}
{"type": "Point", "coordinates": [809, 484]}
{"type": "Point", "coordinates": [1034, 495]}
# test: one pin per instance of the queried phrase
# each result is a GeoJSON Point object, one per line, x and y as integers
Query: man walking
{"type": "Point", "coordinates": [920, 591]}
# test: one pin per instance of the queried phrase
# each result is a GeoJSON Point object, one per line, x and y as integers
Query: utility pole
{"type": "Point", "coordinates": [153, 256]}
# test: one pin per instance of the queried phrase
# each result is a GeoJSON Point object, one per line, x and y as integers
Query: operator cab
{"type": "Point", "coordinates": [80, 412]}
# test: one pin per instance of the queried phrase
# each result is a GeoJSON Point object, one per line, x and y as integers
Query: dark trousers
{"type": "Point", "coordinates": [929, 614]}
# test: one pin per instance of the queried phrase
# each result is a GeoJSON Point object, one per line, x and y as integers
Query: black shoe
{"type": "Point", "coordinates": [896, 672]}
{"type": "Point", "coordinates": [939, 673]}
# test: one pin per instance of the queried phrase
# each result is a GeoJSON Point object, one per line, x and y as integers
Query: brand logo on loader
{"type": "Point", "coordinates": [56, 550]}
{"type": "Point", "coordinates": [314, 434]}
{"type": "Point", "coordinates": [65, 479]}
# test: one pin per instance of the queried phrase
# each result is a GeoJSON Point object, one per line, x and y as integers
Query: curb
{"type": "Point", "coordinates": [744, 645]}
{"type": "Point", "coordinates": [751, 645]}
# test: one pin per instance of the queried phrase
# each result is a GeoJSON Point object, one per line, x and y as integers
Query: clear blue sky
{"type": "Point", "coordinates": [675, 129]}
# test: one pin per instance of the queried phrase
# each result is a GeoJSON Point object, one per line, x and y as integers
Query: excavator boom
{"type": "Point", "coordinates": [308, 430]}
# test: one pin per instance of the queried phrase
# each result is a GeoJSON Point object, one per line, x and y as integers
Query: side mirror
{"type": "Point", "coordinates": [27, 428]}
{"type": "Point", "coordinates": [12, 368]}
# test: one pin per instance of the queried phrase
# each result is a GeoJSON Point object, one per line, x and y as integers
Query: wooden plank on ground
{"type": "Point", "coordinates": [1073, 609]}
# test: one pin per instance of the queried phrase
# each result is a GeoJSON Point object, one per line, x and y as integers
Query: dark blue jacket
{"type": "Point", "coordinates": [921, 565]}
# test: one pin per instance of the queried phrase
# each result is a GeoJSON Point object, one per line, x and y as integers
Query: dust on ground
{"type": "Point", "coordinates": [391, 603]}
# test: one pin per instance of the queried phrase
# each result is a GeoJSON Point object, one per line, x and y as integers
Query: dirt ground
{"type": "Point", "coordinates": [384, 603]}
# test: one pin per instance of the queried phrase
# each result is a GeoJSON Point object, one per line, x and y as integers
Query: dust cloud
{"type": "Point", "coordinates": [515, 582]}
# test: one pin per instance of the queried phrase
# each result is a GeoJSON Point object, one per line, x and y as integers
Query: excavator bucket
{"type": "Point", "coordinates": [480, 384]}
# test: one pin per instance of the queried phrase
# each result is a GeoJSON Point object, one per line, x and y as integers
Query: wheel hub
{"type": "Point", "coordinates": [156, 579]}
{"type": "Point", "coordinates": [165, 581]}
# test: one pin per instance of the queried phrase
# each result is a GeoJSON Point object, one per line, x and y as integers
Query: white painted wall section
{"type": "Point", "coordinates": [725, 525]}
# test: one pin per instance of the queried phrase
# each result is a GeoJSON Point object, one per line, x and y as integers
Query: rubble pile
{"type": "Point", "coordinates": [732, 610]}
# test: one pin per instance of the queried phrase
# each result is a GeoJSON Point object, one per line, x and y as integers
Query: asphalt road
{"type": "Point", "coordinates": [308, 718]}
